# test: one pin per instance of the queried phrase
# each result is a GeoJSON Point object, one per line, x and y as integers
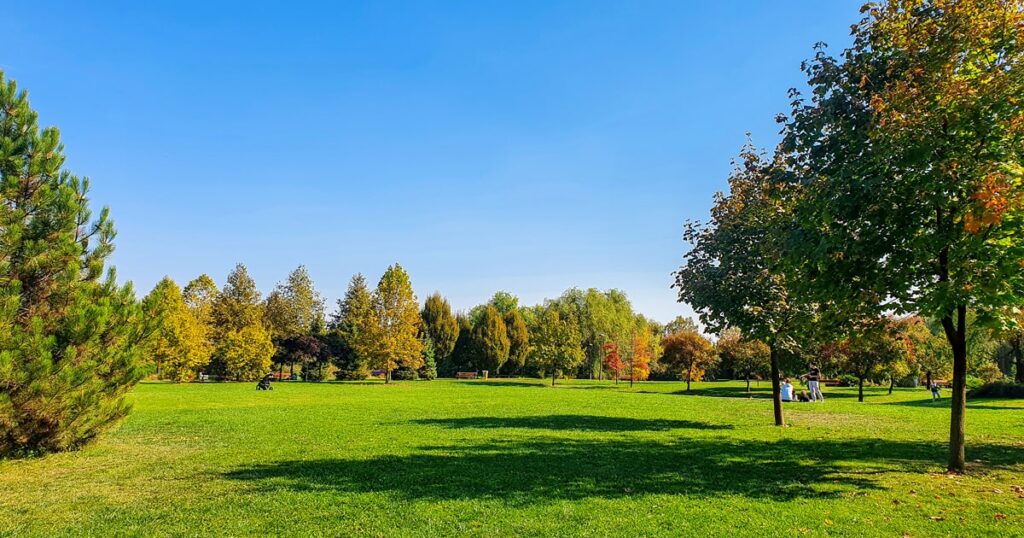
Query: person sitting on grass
{"type": "Point", "coordinates": [786, 390]}
{"type": "Point", "coordinates": [803, 396]}
{"type": "Point", "coordinates": [935, 391]}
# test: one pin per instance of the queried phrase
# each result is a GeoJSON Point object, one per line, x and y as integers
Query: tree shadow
{"type": "Point", "coordinates": [756, 393]}
{"type": "Point", "coordinates": [494, 383]}
{"type": "Point", "coordinates": [574, 422]}
{"type": "Point", "coordinates": [537, 471]}
{"type": "Point", "coordinates": [945, 402]}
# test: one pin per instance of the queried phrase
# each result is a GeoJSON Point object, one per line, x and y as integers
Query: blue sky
{"type": "Point", "coordinates": [520, 146]}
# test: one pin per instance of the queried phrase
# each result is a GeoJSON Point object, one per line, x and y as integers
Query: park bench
{"type": "Point", "coordinates": [465, 375]}
{"type": "Point", "coordinates": [831, 382]}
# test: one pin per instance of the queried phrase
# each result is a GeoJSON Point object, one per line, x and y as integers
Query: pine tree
{"type": "Point", "coordinates": [179, 346]}
{"type": "Point", "coordinates": [69, 338]}
{"type": "Point", "coordinates": [348, 344]}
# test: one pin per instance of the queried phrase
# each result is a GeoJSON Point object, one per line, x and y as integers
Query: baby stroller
{"type": "Point", "coordinates": [264, 383]}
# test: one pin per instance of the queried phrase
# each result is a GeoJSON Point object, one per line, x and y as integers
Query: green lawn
{"type": "Point", "coordinates": [518, 457]}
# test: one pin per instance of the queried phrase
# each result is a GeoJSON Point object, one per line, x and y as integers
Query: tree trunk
{"type": "Point", "coordinates": [776, 396]}
{"type": "Point", "coordinates": [860, 389]}
{"type": "Point", "coordinates": [892, 383]}
{"type": "Point", "coordinates": [689, 377]}
{"type": "Point", "coordinates": [748, 382]}
{"type": "Point", "coordinates": [387, 376]}
{"type": "Point", "coordinates": [928, 379]}
{"type": "Point", "coordinates": [1018, 356]}
{"type": "Point", "coordinates": [553, 374]}
{"type": "Point", "coordinates": [957, 337]}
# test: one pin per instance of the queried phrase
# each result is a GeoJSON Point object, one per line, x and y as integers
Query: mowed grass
{"type": "Point", "coordinates": [498, 458]}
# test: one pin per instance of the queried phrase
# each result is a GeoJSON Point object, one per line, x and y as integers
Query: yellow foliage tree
{"type": "Point", "coordinates": [392, 335]}
{"type": "Point", "coordinates": [246, 353]}
{"type": "Point", "coordinates": [179, 347]}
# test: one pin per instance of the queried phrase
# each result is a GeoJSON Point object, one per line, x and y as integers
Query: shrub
{"type": "Point", "coordinates": [999, 389]}
{"type": "Point", "coordinates": [404, 374]}
{"type": "Point", "coordinates": [342, 374]}
{"type": "Point", "coordinates": [974, 382]}
{"type": "Point", "coordinates": [848, 380]}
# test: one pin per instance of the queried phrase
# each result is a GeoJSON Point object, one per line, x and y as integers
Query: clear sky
{"type": "Point", "coordinates": [518, 145]}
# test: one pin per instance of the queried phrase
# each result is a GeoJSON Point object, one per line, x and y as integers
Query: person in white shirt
{"type": "Point", "coordinates": [786, 390]}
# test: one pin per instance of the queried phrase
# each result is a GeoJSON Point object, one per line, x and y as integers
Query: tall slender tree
{"type": "Point", "coordinates": [69, 334]}
{"type": "Point", "coordinates": [492, 340]}
{"type": "Point", "coordinates": [442, 327]}
{"type": "Point", "coordinates": [395, 342]}
{"type": "Point", "coordinates": [519, 341]}
{"type": "Point", "coordinates": [349, 337]}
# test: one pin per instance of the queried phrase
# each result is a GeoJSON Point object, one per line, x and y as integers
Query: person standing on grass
{"type": "Point", "coordinates": [813, 378]}
{"type": "Point", "coordinates": [935, 391]}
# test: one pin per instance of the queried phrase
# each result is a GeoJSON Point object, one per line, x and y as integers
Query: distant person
{"type": "Point", "coordinates": [786, 390]}
{"type": "Point", "coordinates": [803, 396]}
{"type": "Point", "coordinates": [935, 391]}
{"type": "Point", "coordinates": [264, 383]}
{"type": "Point", "coordinates": [813, 377]}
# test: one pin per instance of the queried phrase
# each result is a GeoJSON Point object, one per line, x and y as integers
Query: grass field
{"type": "Point", "coordinates": [517, 457]}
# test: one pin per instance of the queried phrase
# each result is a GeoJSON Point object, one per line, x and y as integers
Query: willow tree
{"type": "Point", "coordinates": [69, 334]}
{"type": "Point", "coordinates": [734, 274]}
{"type": "Point", "coordinates": [909, 156]}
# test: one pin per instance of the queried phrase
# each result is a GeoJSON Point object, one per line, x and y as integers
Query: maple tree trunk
{"type": "Point", "coordinates": [387, 376]}
{"type": "Point", "coordinates": [957, 337]}
{"type": "Point", "coordinates": [776, 396]}
{"type": "Point", "coordinates": [892, 383]}
{"type": "Point", "coordinates": [860, 389]}
{"type": "Point", "coordinates": [748, 382]}
{"type": "Point", "coordinates": [553, 374]}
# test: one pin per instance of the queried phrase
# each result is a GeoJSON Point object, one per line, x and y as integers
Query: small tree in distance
{"type": "Point", "coordinates": [612, 360]}
{"type": "Point", "coordinates": [690, 353]}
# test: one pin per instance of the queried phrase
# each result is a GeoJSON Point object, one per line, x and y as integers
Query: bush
{"type": "Point", "coordinates": [989, 372]}
{"type": "Point", "coordinates": [428, 372]}
{"type": "Point", "coordinates": [404, 374]}
{"type": "Point", "coordinates": [848, 380]}
{"type": "Point", "coordinates": [974, 382]}
{"type": "Point", "coordinates": [350, 375]}
{"type": "Point", "coordinates": [999, 389]}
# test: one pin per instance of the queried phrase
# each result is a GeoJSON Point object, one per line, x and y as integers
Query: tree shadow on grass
{"type": "Point", "coordinates": [495, 383]}
{"type": "Point", "coordinates": [763, 393]}
{"type": "Point", "coordinates": [536, 471]}
{"type": "Point", "coordinates": [946, 402]}
{"type": "Point", "coordinates": [574, 422]}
